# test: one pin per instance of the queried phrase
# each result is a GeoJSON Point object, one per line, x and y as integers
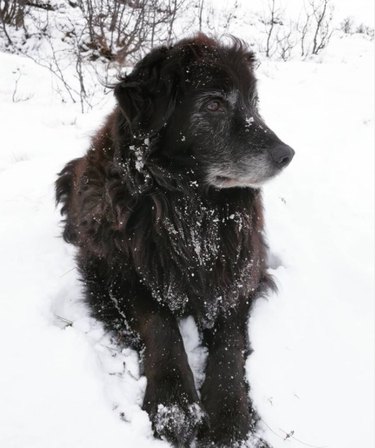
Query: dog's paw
{"type": "Point", "coordinates": [232, 428]}
{"type": "Point", "coordinates": [178, 423]}
{"type": "Point", "coordinates": [229, 434]}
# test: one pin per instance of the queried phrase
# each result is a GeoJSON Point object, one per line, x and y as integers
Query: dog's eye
{"type": "Point", "coordinates": [215, 106]}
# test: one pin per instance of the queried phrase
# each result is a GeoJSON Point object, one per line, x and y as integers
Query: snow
{"type": "Point", "coordinates": [64, 384]}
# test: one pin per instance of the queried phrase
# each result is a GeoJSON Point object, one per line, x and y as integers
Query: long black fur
{"type": "Point", "coordinates": [157, 241]}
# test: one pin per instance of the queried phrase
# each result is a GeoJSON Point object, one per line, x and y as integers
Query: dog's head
{"type": "Point", "coordinates": [201, 99]}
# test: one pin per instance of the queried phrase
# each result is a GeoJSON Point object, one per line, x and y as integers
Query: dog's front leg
{"type": "Point", "coordinates": [171, 398]}
{"type": "Point", "coordinates": [225, 392]}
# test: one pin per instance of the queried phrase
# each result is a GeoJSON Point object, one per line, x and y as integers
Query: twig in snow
{"type": "Point", "coordinates": [18, 100]}
{"type": "Point", "coordinates": [15, 86]}
{"type": "Point", "coordinates": [67, 272]}
{"type": "Point", "coordinates": [307, 444]}
{"type": "Point", "coordinates": [68, 322]}
{"type": "Point", "coordinates": [290, 435]}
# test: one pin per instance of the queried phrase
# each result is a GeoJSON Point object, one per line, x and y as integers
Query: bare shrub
{"type": "Point", "coordinates": [271, 21]}
{"type": "Point", "coordinates": [303, 29]}
{"type": "Point", "coordinates": [311, 32]}
{"type": "Point", "coordinates": [322, 15]}
{"type": "Point", "coordinates": [365, 30]}
{"type": "Point", "coordinates": [347, 25]}
{"type": "Point", "coordinates": [286, 41]}
{"type": "Point", "coordinates": [118, 29]}
{"type": "Point", "coordinates": [12, 12]}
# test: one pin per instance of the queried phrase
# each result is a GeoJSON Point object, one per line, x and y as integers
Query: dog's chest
{"type": "Point", "coordinates": [207, 259]}
{"type": "Point", "coordinates": [193, 233]}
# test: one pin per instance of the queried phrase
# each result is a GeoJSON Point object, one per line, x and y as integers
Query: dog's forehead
{"type": "Point", "coordinates": [229, 80]}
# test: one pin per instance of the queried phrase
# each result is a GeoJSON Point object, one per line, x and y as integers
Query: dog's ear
{"type": "Point", "coordinates": [147, 96]}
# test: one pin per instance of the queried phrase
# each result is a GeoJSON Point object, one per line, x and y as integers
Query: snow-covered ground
{"type": "Point", "coordinates": [64, 385]}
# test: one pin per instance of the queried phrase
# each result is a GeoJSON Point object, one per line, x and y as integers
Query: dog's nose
{"type": "Point", "coordinates": [282, 155]}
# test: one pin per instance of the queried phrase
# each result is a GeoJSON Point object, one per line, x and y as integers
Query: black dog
{"type": "Point", "coordinates": [166, 210]}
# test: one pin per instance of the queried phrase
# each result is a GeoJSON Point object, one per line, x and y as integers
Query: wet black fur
{"type": "Point", "coordinates": [156, 242]}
